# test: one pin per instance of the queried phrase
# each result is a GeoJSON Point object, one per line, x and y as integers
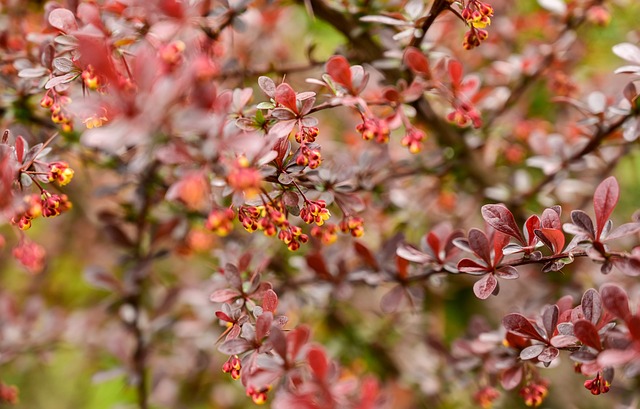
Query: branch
{"type": "Point", "coordinates": [593, 144]}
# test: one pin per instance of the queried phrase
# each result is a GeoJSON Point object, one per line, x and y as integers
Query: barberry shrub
{"type": "Point", "coordinates": [315, 204]}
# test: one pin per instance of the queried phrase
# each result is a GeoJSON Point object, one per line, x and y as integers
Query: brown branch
{"type": "Point", "coordinates": [594, 143]}
{"type": "Point", "coordinates": [436, 9]}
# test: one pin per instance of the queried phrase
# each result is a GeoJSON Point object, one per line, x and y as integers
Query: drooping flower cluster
{"type": "Point", "coordinates": [477, 15]}
{"type": "Point", "coordinates": [373, 128]}
{"type": "Point", "coordinates": [272, 220]}
{"type": "Point", "coordinates": [8, 394]}
{"type": "Point", "coordinates": [315, 211]}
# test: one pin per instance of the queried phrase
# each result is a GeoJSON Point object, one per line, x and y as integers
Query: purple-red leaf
{"type": "Point", "coordinates": [550, 319]}
{"type": "Point", "coordinates": [551, 218]}
{"type": "Point", "coordinates": [520, 325]}
{"type": "Point", "coordinates": [296, 339]}
{"type": "Point", "coordinates": [583, 221]}
{"type": "Point", "coordinates": [511, 377]}
{"type": "Point", "coordinates": [479, 244]}
{"type": "Point", "coordinates": [624, 230]}
{"type": "Point", "coordinates": [484, 287]}
{"type": "Point", "coordinates": [20, 148]}
{"type": "Point", "coordinates": [587, 333]}
{"type": "Point", "coordinates": [366, 255]}
{"type": "Point", "coordinates": [507, 273]}
{"type": "Point", "coordinates": [63, 20]}
{"type": "Point", "coordinates": [616, 357]}
{"type": "Point", "coordinates": [278, 341]}
{"type": "Point", "coordinates": [548, 355]}
{"type": "Point", "coordinates": [615, 300]}
{"type": "Point", "coordinates": [531, 352]}
{"type": "Point", "coordinates": [235, 346]}
{"type": "Point", "coordinates": [263, 325]}
{"type": "Point", "coordinates": [267, 86]}
{"type": "Point", "coordinates": [411, 253]}
{"type": "Point", "coordinates": [391, 300]}
{"type": "Point", "coordinates": [501, 219]}
{"type": "Point", "coordinates": [628, 265]}
{"type": "Point", "coordinates": [605, 199]}
{"type": "Point", "coordinates": [563, 341]}
{"type": "Point", "coordinates": [466, 265]}
{"type": "Point", "coordinates": [270, 301]}
{"type": "Point", "coordinates": [591, 305]}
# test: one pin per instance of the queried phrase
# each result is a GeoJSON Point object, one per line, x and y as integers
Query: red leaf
{"type": "Point", "coordinates": [434, 242]}
{"type": "Point", "coordinates": [20, 148]}
{"type": "Point", "coordinates": [338, 68]}
{"type": "Point", "coordinates": [224, 317]}
{"type": "Point", "coordinates": [63, 20]}
{"type": "Point", "coordinates": [501, 219]}
{"type": "Point", "coordinates": [615, 300]}
{"type": "Point", "coordinates": [484, 287]}
{"type": "Point", "coordinates": [416, 61]}
{"type": "Point", "coordinates": [402, 266]}
{"type": "Point", "coordinates": [296, 339]}
{"type": "Point", "coordinates": [587, 333]}
{"type": "Point", "coordinates": [318, 362]}
{"type": "Point", "coordinates": [552, 238]}
{"type": "Point", "coordinates": [532, 224]}
{"type": "Point", "coordinates": [286, 96]}
{"type": "Point", "coordinates": [520, 325]}
{"type": "Point", "coordinates": [366, 255]}
{"type": "Point", "coordinates": [455, 72]}
{"type": "Point", "coordinates": [95, 51]}
{"type": "Point", "coordinates": [270, 301]}
{"type": "Point", "coordinates": [634, 327]}
{"type": "Point", "coordinates": [317, 264]}
{"type": "Point", "coordinates": [605, 199]}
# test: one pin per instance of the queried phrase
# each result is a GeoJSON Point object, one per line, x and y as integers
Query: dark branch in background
{"type": "Point", "coordinates": [436, 9]}
{"type": "Point", "coordinates": [136, 276]}
{"type": "Point", "coordinates": [594, 143]}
